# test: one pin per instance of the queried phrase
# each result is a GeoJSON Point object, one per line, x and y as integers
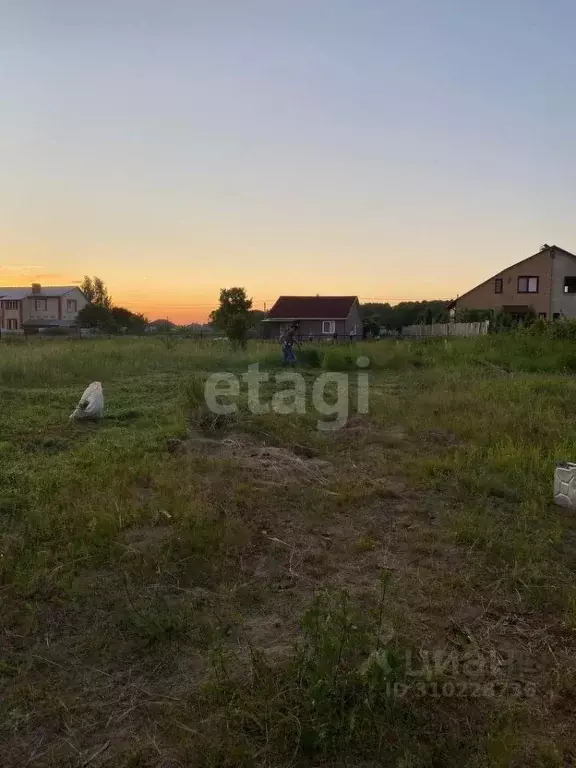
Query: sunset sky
{"type": "Point", "coordinates": [396, 150]}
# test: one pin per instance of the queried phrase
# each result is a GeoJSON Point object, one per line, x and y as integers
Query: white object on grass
{"type": "Point", "coordinates": [565, 485]}
{"type": "Point", "coordinates": [91, 405]}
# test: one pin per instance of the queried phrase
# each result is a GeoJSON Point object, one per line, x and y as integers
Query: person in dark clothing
{"type": "Point", "coordinates": [288, 339]}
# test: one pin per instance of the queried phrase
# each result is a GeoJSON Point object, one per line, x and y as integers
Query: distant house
{"type": "Point", "coordinates": [317, 316]}
{"type": "Point", "coordinates": [544, 282]}
{"type": "Point", "coordinates": [37, 307]}
{"type": "Point", "coordinates": [162, 326]}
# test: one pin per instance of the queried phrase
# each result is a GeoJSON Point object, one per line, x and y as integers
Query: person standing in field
{"type": "Point", "coordinates": [287, 340]}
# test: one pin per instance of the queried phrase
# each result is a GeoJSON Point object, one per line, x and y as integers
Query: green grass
{"type": "Point", "coordinates": [250, 591]}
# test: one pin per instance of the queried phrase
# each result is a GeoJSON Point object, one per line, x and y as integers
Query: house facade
{"type": "Point", "coordinates": [30, 309]}
{"type": "Point", "coordinates": [544, 282]}
{"type": "Point", "coordinates": [318, 317]}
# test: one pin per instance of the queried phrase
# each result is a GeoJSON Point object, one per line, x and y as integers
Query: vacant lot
{"type": "Point", "coordinates": [183, 590]}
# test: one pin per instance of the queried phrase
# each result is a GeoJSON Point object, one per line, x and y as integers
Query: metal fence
{"type": "Point", "coordinates": [446, 329]}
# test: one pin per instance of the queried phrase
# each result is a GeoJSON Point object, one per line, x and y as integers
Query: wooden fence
{"type": "Point", "coordinates": [446, 329]}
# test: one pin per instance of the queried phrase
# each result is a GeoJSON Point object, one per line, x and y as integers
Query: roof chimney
{"type": "Point", "coordinates": [36, 288]}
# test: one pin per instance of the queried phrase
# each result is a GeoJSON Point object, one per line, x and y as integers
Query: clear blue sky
{"type": "Point", "coordinates": [398, 150]}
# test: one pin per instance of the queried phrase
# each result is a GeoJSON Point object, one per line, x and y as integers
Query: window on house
{"type": "Point", "coordinates": [10, 305]}
{"type": "Point", "coordinates": [542, 315]}
{"type": "Point", "coordinates": [528, 284]}
{"type": "Point", "coordinates": [556, 316]}
{"type": "Point", "coordinates": [72, 305]}
{"type": "Point", "coordinates": [570, 285]}
{"type": "Point", "coordinates": [41, 305]}
{"type": "Point", "coordinates": [328, 326]}
{"type": "Point", "coordinates": [12, 324]}
{"type": "Point", "coordinates": [498, 285]}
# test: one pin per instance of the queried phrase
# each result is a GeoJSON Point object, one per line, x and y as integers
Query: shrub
{"type": "Point", "coordinates": [310, 357]}
{"type": "Point", "coordinates": [562, 329]}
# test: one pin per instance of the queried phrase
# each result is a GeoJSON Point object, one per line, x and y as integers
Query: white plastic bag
{"type": "Point", "coordinates": [91, 405]}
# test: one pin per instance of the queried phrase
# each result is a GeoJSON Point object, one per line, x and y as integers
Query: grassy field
{"type": "Point", "coordinates": [179, 590]}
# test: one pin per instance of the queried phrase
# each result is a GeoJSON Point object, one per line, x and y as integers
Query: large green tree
{"type": "Point", "coordinates": [100, 313]}
{"type": "Point", "coordinates": [96, 292]}
{"type": "Point", "coordinates": [233, 315]}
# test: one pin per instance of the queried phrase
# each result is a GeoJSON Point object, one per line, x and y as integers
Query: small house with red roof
{"type": "Point", "coordinates": [319, 317]}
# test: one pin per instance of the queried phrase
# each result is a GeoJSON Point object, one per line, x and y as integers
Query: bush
{"type": "Point", "coordinates": [557, 329]}
{"type": "Point", "coordinates": [562, 329]}
{"type": "Point", "coordinates": [310, 357]}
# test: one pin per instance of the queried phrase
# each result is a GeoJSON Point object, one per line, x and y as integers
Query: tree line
{"type": "Point", "coordinates": [394, 317]}
{"type": "Point", "coordinates": [102, 314]}
{"type": "Point", "coordinates": [235, 316]}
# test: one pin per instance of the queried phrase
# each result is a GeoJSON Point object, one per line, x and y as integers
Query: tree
{"type": "Point", "coordinates": [96, 292]}
{"type": "Point", "coordinates": [404, 313]}
{"type": "Point", "coordinates": [101, 314]}
{"type": "Point", "coordinates": [474, 315]}
{"type": "Point", "coordinates": [370, 326]}
{"type": "Point", "coordinates": [256, 317]}
{"type": "Point", "coordinates": [132, 322]}
{"type": "Point", "coordinates": [97, 316]}
{"type": "Point", "coordinates": [428, 316]}
{"type": "Point", "coordinates": [115, 320]}
{"type": "Point", "coordinates": [233, 315]}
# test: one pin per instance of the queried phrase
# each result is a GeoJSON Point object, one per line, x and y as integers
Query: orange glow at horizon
{"type": "Point", "coordinates": [178, 306]}
{"type": "Point", "coordinates": [185, 290]}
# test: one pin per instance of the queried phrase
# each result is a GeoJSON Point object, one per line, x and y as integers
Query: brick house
{"type": "Point", "coordinates": [29, 309]}
{"type": "Point", "coordinates": [319, 317]}
{"type": "Point", "coordinates": [544, 282]}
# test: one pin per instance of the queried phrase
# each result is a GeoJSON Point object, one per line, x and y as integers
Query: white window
{"type": "Point", "coordinates": [41, 305]}
{"type": "Point", "coordinates": [328, 326]}
{"type": "Point", "coordinates": [12, 324]}
{"type": "Point", "coordinates": [10, 304]}
{"type": "Point", "coordinates": [72, 305]}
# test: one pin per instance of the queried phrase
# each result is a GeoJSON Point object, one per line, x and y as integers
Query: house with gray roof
{"type": "Point", "coordinates": [37, 307]}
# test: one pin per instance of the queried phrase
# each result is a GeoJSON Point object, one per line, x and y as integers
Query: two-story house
{"type": "Point", "coordinates": [544, 282]}
{"type": "Point", "coordinates": [30, 309]}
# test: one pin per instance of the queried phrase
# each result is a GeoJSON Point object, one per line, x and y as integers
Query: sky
{"type": "Point", "coordinates": [396, 150]}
